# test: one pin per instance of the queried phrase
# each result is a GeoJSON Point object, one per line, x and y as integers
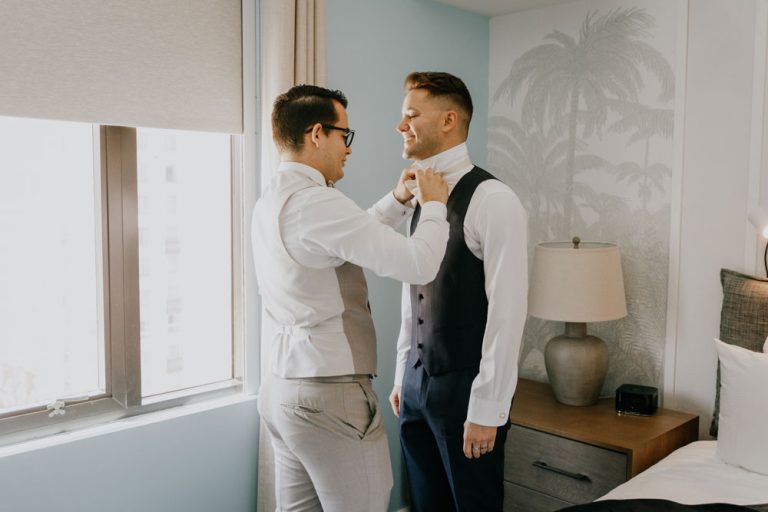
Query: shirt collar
{"type": "Point", "coordinates": [452, 163]}
{"type": "Point", "coordinates": [304, 169]}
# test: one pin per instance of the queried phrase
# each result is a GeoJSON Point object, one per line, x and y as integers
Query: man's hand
{"type": "Point", "coordinates": [478, 440]}
{"type": "Point", "coordinates": [394, 399]}
{"type": "Point", "coordinates": [431, 185]}
{"type": "Point", "coordinates": [402, 193]}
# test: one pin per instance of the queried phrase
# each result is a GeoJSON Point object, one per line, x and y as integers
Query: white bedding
{"type": "Point", "coordinates": [692, 475]}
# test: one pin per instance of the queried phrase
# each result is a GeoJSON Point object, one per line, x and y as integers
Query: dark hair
{"type": "Point", "coordinates": [299, 108]}
{"type": "Point", "coordinates": [444, 85]}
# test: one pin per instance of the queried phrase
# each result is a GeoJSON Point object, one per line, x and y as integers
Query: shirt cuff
{"type": "Point", "coordinates": [487, 413]}
{"type": "Point", "coordinates": [389, 203]}
{"type": "Point", "coordinates": [399, 373]}
{"type": "Point", "coordinates": [433, 209]}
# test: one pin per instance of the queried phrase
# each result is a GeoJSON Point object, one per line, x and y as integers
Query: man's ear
{"type": "Point", "coordinates": [314, 135]}
{"type": "Point", "coordinates": [450, 120]}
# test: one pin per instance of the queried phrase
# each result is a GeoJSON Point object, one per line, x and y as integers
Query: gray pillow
{"type": "Point", "coordinates": [743, 319]}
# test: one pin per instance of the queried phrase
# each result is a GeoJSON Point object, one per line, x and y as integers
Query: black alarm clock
{"type": "Point", "coordinates": [636, 399]}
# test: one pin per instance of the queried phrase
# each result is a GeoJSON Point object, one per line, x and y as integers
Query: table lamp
{"type": "Point", "coordinates": [577, 282]}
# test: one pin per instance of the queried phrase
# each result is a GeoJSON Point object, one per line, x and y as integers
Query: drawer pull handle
{"type": "Point", "coordinates": [576, 476]}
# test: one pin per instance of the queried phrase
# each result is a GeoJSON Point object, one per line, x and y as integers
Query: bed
{"type": "Point", "coordinates": [694, 474]}
{"type": "Point", "coordinates": [731, 472]}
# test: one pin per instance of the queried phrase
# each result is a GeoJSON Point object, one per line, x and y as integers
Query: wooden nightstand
{"type": "Point", "coordinates": [558, 455]}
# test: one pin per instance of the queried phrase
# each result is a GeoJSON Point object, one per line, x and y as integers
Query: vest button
{"type": "Point", "coordinates": [421, 296]}
{"type": "Point", "coordinates": [419, 345]}
{"type": "Point", "coordinates": [421, 321]}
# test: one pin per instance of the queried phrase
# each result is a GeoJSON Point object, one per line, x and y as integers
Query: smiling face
{"type": "Point", "coordinates": [421, 125]}
{"type": "Point", "coordinates": [332, 152]}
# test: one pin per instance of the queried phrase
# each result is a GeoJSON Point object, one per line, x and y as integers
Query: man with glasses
{"type": "Point", "coordinates": [310, 245]}
{"type": "Point", "coordinates": [460, 335]}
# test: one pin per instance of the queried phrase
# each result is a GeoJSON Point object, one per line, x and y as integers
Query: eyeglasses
{"type": "Point", "coordinates": [349, 135]}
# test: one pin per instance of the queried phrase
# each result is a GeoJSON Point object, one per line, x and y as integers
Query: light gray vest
{"type": "Point", "coordinates": [322, 316]}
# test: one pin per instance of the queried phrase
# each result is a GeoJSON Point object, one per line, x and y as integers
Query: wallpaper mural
{"type": "Point", "coordinates": [580, 126]}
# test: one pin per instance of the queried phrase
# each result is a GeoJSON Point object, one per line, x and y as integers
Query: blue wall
{"type": "Point", "coordinates": [201, 462]}
{"type": "Point", "coordinates": [372, 46]}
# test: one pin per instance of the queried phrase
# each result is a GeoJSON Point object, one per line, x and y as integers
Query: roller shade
{"type": "Point", "coordinates": [153, 63]}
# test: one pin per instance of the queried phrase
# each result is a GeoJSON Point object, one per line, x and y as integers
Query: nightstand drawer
{"type": "Point", "coordinates": [522, 499]}
{"type": "Point", "coordinates": [568, 470]}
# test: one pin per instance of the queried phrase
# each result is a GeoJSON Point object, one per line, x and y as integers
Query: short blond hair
{"type": "Point", "coordinates": [443, 85]}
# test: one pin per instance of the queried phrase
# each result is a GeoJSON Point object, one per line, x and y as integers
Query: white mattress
{"type": "Point", "coordinates": [693, 475]}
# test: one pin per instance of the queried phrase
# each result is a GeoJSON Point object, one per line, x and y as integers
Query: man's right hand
{"type": "Point", "coordinates": [432, 186]}
{"type": "Point", "coordinates": [402, 193]}
{"type": "Point", "coordinates": [394, 399]}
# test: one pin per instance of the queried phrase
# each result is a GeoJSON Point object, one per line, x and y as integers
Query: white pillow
{"type": "Point", "coordinates": [742, 438]}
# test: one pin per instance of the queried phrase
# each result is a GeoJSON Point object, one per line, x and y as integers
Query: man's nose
{"type": "Point", "coordinates": [402, 127]}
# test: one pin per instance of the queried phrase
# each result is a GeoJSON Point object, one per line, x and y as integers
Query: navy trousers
{"type": "Point", "coordinates": [440, 477]}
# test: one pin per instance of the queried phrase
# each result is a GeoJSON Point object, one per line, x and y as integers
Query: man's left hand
{"type": "Point", "coordinates": [478, 439]}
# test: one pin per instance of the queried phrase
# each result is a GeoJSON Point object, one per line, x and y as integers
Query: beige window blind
{"type": "Point", "coordinates": [151, 63]}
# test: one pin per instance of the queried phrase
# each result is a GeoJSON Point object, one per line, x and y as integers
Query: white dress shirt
{"type": "Point", "coordinates": [321, 227]}
{"type": "Point", "coordinates": [495, 230]}
{"type": "Point", "coordinates": [305, 237]}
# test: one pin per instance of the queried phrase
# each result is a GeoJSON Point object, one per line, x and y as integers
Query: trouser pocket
{"type": "Point", "coordinates": [363, 411]}
{"type": "Point", "coordinates": [348, 409]}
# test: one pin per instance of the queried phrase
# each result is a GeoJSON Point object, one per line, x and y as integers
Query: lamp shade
{"type": "Point", "coordinates": [759, 218]}
{"type": "Point", "coordinates": [571, 284]}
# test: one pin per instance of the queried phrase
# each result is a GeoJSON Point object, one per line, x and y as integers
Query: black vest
{"type": "Point", "coordinates": [449, 314]}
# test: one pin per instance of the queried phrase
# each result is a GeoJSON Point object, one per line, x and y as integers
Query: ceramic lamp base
{"type": "Point", "coordinates": [577, 364]}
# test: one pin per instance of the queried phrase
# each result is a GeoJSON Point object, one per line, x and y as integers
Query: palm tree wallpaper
{"type": "Point", "coordinates": [580, 126]}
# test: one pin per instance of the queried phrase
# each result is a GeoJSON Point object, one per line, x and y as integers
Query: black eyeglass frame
{"type": "Point", "coordinates": [349, 135]}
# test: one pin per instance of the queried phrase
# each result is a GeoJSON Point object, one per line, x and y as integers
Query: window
{"type": "Point", "coordinates": [185, 259]}
{"type": "Point", "coordinates": [119, 267]}
{"type": "Point", "coordinates": [51, 334]}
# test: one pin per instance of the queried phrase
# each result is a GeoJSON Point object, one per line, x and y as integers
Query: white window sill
{"type": "Point", "coordinates": [124, 424]}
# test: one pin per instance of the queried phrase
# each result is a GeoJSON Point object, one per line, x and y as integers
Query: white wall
{"type": "Point", "coordinates": [621, 158]}
{"type": "Point", "coordinates": [718, 175]}
{"type": "Point", "coordinates": [717, 143]}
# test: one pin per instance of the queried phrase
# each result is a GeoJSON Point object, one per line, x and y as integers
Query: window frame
{"type": "Point", "coordinates": [117, 194]}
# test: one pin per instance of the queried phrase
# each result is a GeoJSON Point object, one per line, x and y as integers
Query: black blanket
{"type": "Point", "coordinates": [660, 506]}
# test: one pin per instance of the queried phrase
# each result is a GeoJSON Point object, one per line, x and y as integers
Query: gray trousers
{"type": "Point", "coordinates": [331, 451]}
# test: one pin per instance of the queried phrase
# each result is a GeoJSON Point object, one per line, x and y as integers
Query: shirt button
{"type": "Point", "coordinates": [502, 415]}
